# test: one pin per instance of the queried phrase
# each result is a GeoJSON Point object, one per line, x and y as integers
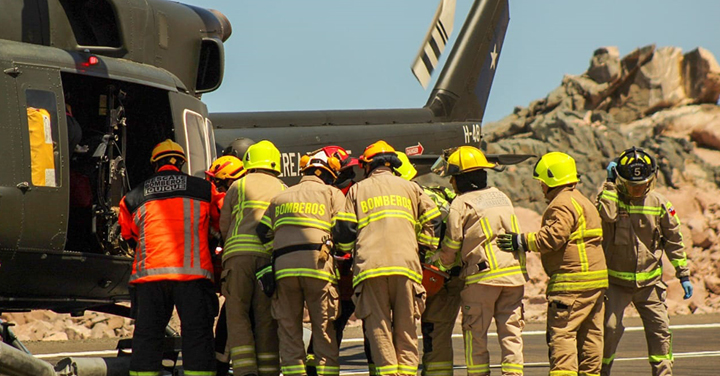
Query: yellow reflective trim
{"type": "Point", "coordinates": [511, 367]}
{"type": "Point", "coordinates": [242, 350]}
{"type": "Point", "coordinates": [428, 240]}
{"type": "Point", "coordinates": [345, 247]}
{"type": "Point", "coordinates": [305, 272]}
{"type": "Point", "coordinates": [452, 244]}
{"type": "Point", "coordinates": [485, 225]}
{"type": "Point", "coordinates": [386, 271]}
{"type": "Point", "coordinates": [609, 360]}
{"type": "Point", "coordinates": [579, 276]}
{"type": "Point", "coordinates": [578, 286]}
{"type": "Point", "coordinates": [632, 209]}
{"type": "Point", "coordinates": [492, 274]}
{"type": "Point", "coordinates": [532, 242]}
{"type": "Point", "coordinates": [250, 204]}
{"type": "Point", "coordinates": [198, 373]}
{"type": "Point", "coordinates": [385, 214]}
{"type": "Point", "coordinates": [632, 277]}
{"type": "Point", "coordinates": [467, 337]}
{"type": "Point", "coordinates": [266, 221]}
{"type": "Point", "coordinates": [588, 374]}
{"type": "Point", "coordinates": [407, 369]}
{"type": "Point", "coordinates": [680, 262]}
{"type": "Point", "coordinates": [306, 222]}
{"type": "Point", "coordinates": [563, 373]}
{"type": "Point", "coordinates": [429, 215]}
{"type": "Point", "coordinates": [244, 362]}
{"type": "Point", "coordinates": [347, 217]}
{"type": "Point", "coordinates": [386, 370]}
{"type": "Point", "coordinates": [580, 234]}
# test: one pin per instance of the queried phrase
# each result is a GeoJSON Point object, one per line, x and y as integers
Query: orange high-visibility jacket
{"type": "Point", "coordinates": [169, 217]}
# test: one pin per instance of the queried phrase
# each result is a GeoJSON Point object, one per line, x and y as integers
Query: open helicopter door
{"type": "Point", "coordinates": [41, 151]}
{"type": "Point", "coordinates": [194, 132]}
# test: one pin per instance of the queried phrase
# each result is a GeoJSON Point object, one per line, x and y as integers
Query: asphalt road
{"type": "Point", "coordinates": [696, 344]}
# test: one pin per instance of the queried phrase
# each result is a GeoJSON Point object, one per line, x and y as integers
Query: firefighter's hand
{"type": "Point", "coordinates": [611, 172]}
{"type": "Point", "coordinates": [511, 242]}
{"type": "Point", "coordinates": [687, 287]}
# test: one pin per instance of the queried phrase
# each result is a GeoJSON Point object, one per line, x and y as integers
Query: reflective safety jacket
{"type": "Point", "coordinates": [300, 219]}
{"type": "Point", "coordinates": [475, 220]}
{"type": "Point", "coordinates": [168, 217]}
{"type": "Point", "coordinates": [379, 222]}
{"type": "Point", "coordinates": [637, 231]}
{"type": "Point", "coordinates": [245, 204]}
{"type": "Point", "coordinates": [570, 243]}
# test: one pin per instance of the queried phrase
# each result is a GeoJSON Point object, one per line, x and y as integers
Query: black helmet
{"type": "Point", "coordinates": [636, 167]}
{"type": "Point", "coordinates": [238, 147]}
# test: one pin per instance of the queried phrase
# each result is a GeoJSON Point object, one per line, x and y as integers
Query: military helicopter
{"type": "Point", "coordinates": [91, 86]}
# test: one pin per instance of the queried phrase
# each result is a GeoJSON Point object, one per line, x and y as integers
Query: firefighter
{"type": "Point", "coordinates": [253, 342]}
{"type": "Point", "coordinates": [442, 308]}
{"type": "Point", "coordinates": [378, 224]}
{"type": "Point", "coordinates": [167, 219]}
{"type": "Point", "coordinates": [222, 173]}
{"type": "Point", "coordinates": [570, 245]}
{"type": "Point", "coordinates": [639, 224]}
{"type": "Point", "coordinates": [494, 281]}
{"type": "Point", "coordinates": [344, 180]}
{"type": "Point", "coordinates": [299, 220]}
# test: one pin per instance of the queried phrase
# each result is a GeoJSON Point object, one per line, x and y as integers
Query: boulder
{"type": "Point", "coordinates": [701, 74]}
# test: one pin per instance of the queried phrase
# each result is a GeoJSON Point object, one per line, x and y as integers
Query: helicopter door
{"type": "Point", "coordinates": [195, 135]}
{"type": "Point", "coordinates": [44, 177]}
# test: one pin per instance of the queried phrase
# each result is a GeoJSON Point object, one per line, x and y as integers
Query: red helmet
{"type": "Point", "coordinates": [346, 161]}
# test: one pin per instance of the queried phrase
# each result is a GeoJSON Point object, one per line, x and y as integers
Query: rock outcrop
{"type": "Point", "coordinates": [657, 99]}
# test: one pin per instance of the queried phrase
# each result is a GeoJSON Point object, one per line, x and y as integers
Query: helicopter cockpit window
{"type": "Point", "coordinates": [43, 129]}
{"type": "Point", "coordinates": [197, 148]}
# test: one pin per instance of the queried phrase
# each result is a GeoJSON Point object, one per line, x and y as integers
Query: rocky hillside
{"type": "Point", "coordinates": [656, 98]}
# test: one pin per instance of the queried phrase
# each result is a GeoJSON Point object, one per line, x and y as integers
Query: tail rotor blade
{"type": "Point", "coordinates": [434, 43]}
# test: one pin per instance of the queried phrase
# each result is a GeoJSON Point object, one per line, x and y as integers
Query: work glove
{"type": "Point", "coordinates": [512, 242]}
{"type": "Point", "coordinates": [611, 172]}
{"type": "Point", "coordinates": [687, 287]}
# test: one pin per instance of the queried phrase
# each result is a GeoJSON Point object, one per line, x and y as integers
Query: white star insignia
{"type": "Point", "coordinates": [494, 56]}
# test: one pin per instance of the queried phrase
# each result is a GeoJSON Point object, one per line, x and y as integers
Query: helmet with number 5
{"type": "Point", "coordinates": [636, 172]}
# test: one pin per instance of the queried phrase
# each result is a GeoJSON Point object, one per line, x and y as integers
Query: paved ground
{"type": "Point", "coordinates": [696, 346]}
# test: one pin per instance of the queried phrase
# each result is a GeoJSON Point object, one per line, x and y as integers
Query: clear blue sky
{"type": "Point", "coordinates": [333, 54]}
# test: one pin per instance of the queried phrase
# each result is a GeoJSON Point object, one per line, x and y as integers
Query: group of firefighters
{"type": "Point", "coordinates": [393, 252]}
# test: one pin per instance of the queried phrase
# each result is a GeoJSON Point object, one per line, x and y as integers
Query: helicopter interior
{"type": "Point", "coordinates": [119, 123]}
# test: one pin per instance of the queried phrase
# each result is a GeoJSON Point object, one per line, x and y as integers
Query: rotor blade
{"type": "Point", "coordinates": [434, 43]}
{"type": "Point", "coordinates": [508, 159]}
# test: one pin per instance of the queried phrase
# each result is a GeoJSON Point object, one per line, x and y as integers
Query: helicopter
{"type": "Point", "coordinates": [90, 87]}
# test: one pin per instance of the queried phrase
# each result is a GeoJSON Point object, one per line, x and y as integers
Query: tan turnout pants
{"type": "Point", "coordinates": [482, 303]}
{"type": "Point", "coordinates": [650, 304]}
{"type": "Point", "coordinates": [389, 307]}
{"type": "Point", "coordinates": [252, 332]}
{"type": "Point", "coordinates": [575, 332]}
{"type": "Point", "coordinates": [287, 308]}
{"type": "Point", "coordinates": [438, 320]}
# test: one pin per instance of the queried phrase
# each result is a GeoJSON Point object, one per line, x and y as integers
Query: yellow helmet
{"type": "Point", "coordinates": [465, 159]}
{"type": "Point", "coordinates": [556, 169]}
{"type": "Point", "coordinates": [166, 149]}
{"type": "Point", "coordinates": [378, 148]}
{"type": "Point", "coordinates": [407, 171]}
{"type": "Point", "coordinates": [262, 155]}
{"type": "Point", "coordinates": [226, 167]}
